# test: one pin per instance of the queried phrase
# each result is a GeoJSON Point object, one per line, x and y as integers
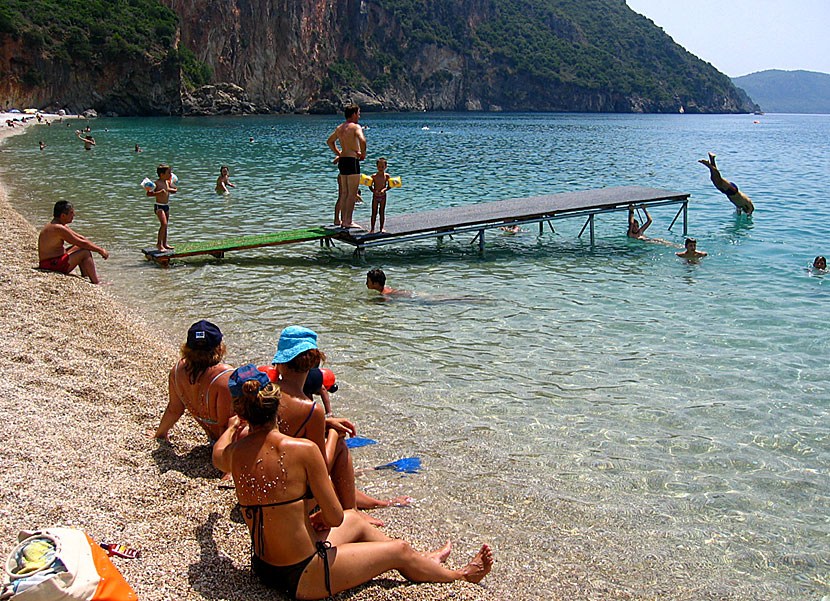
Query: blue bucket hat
{"type": "Point", "coordinates": [293, 341]}
{"type": "Point", "coordinates": [203, 335]}
{"type": "Point", "coordinates": [242, 374]}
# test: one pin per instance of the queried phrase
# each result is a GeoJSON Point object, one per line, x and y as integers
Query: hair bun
{"type": "Point", "coordinates": [251, 387]}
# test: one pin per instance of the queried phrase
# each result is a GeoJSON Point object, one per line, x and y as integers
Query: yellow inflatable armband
{"type": "Point", "coordinates": [365, 180]}
{"type": "Point", "coordinates": [395, 182]}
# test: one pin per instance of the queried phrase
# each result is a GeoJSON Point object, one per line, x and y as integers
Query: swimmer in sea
{"type": "Point", "coordinates": [691, 253]}
{"type": "Point", "coordinates": [223, 181]}
{"type": "Point", "coordinates": [735, 196]}
{"type": "Point", "coordinates": [820, 264]}
{"type": "Point", "coordinates": [376, 280]}
{"type": "Point", "coordinates": [635, 230]}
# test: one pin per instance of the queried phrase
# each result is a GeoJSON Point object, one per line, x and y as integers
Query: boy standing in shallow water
{"type": "Point", "coordinates": [164, 188]}
{"type": "Point", "coordinates": [379, 187]}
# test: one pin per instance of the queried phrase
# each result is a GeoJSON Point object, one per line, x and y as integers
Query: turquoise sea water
{"type": "Point", "coordinates": [663, 423]}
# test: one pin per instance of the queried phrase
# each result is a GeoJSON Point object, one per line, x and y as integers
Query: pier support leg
{"type": "Point", "coordinates": [591, 221]}
{"type": "Point", "coordinates": [541, 227]}
{"type": "Point", "coordinates": [481, 242]}
{"type": "Point", "coordinates": [686, 218]}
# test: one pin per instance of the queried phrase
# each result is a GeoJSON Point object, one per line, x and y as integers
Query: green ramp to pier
{"type": "Point", "coordinates": [219, 247]}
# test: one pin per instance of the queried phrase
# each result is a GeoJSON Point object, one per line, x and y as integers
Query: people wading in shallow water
{"type": "Point", "coordinates": [274, 474]}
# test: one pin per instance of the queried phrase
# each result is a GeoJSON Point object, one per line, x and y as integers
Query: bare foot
{"type": "Point", "coordinates": [161, 247]}
{"type": "Point", "coordinates": [169, 247]}
{"type": "Point", "coordinates": [383, 231]}
{"type": "Point", "coordinates": [354, 225]}
{"type": "Point", "coordinates": [441, 554]}
{"type": "Point", "coordinates": [480, 566]}
{"type": "Point", "coordinates": [372, 231]}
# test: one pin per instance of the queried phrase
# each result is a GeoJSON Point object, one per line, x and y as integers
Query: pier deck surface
{"type": "Point", "coordinates": [438, 222]}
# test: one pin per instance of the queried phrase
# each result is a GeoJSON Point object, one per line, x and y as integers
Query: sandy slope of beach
{"type": "Point", "coordinates": [83, 380]}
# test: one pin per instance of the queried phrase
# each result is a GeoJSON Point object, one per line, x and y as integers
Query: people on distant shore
{"type": "Point", "coordinates": [198, 383]}
{"type": "Point", "coordinates": [820, 264]}
{"type": "Point", "coordinates": [223, 181]}
{"type": "Point", "coordinates": [352, 150]}
{"type": "Point", "coordinates": [164, 188]}
{"type": "Point", "coordinates": [730, 189]}
{"type": "Point", "coordinates": [50, 245]}
{"type": "Point", "coordinates": [274, 474]}
{"type": "Point", "coordinates": [379, 187]}
{"type": "Point", "coordinates": [691, 251]}
{"type": "Point", "coordinates": [301, 416]}
{"type": "Point", "coordinates": [87, 139]}
{"type": "Point", "coordinates": [376, 280]}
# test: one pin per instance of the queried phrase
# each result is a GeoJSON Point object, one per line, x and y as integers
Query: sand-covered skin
{"type": "Point", "coordinates": [83, 380]}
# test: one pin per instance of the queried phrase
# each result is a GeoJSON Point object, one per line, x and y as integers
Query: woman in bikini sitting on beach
{"type": "Point", "coordinates": [273, 475]}
{"type": "Point", "coordinates": [199, 383]}
{"type": "Point", "coordinates": [302, 417]}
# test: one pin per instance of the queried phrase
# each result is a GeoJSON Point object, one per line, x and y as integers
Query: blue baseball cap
{"type": "Point", "coordinates": [203, 334]}
{"type": "Point", "coordinates": [242, 374]}
{"type": "Point", "coordinates": [293, 341]}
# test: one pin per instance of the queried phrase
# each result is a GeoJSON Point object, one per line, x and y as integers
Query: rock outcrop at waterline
{"type": "Point", "coordinates": [391, 55]}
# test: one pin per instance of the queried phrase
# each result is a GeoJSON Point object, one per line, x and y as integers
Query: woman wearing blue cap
{"type": "Point", "coordinates": [274, 473]}
{"type": "Point", "coordinates": [303, 417]}
{"type": "Point", "coordinates": [199, 383]}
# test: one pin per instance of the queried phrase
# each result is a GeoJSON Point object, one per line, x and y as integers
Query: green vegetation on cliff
{"type": "Point", "coordinates": [598, 46]}
{"type": "Point", "coordinates": [788, 91]}
{"type": "Point", "coordinates": [88, 34]}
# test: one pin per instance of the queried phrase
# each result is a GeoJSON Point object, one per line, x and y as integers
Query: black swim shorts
{"type": "Point", "coordinates": [348, 166]}
{"type": "Point", "coordinates": [163, 207]}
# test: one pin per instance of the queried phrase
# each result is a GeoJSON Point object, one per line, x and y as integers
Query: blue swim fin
{"type": "Point", "coordinates": [357, 441]}
{"type": "Point", "coordinates": [407, 465]}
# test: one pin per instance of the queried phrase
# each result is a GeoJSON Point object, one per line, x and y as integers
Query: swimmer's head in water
{"type": "Point", "coordinates": [375, 279]}
{"type": "Point", "coordinates": [691, 243]}
{"type": "Point", "coordinates": [223, 170]}
{"type": "Point", "coordinates": [820, 263]}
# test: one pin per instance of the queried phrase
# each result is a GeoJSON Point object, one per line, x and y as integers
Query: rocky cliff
{"type": "Point", "coordinates": [143, 57]}
{"type": "Point", "coordinates": [457, 55]}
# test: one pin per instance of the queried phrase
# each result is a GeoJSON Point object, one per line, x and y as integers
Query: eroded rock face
{"type": "Point", "coordinates": [138, 85]}
{"type": "Point", "coordinates": [219, 99]}
{"type": "Point", "coordinates": [300, 55]}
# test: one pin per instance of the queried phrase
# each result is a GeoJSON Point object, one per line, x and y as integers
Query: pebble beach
{"type": "Point", "coordinates": [84, 381]}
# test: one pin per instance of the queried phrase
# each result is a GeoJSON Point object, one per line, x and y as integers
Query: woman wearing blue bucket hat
{"type": "Point", "coordinates": [302, 417]}
{"type": "Point", "coordinates": [273, 474]}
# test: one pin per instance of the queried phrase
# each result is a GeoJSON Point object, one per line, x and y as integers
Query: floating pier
{"type": "Point", "coordinates": [437, 223]}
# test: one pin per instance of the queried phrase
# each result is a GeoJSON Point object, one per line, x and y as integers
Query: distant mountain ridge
{"type": "Point", "coordinates": [778, 91]}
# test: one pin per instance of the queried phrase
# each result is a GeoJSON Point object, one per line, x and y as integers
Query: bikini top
{"type": "Point", "coordinates": [204, 420]}
{"type": "Point", "coordinates": [305, 421]}
{"type": "Point", "coordinates": [254, 513]}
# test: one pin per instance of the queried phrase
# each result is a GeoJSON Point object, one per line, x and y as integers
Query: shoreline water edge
{"type": "Point", "coordinates": [84, 380]}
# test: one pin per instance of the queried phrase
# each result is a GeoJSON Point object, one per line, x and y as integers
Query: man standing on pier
{"type": "Point", "coordinates": [352, 150]}
{"type": "Point", "coordinates": [50, 250]}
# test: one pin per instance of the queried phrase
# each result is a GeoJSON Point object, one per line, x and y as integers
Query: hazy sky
{"type": "Point", "coordinates": [743, 36]}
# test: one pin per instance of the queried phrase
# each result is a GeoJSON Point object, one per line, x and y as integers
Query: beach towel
{"type": "Point", "coordinates": [62, 564]}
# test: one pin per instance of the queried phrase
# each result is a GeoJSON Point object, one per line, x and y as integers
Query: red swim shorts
{"type": "Point", "coordinates": [60, 264]}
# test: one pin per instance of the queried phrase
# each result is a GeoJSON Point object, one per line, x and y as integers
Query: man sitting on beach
{"type": "Point", "coordinates": [50, 249]}
{"type": "Point", "coordinates": [376, 280]}
{"type": "Point", "coordinates": [738, 198]}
